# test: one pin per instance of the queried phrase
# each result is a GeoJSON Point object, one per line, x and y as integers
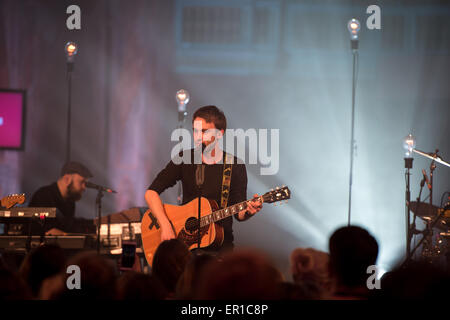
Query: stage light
{"type": "Point", "coordinates": [353, 27]}
{"type": "Point", "coordinates": [409, 143]}
{"type": "Point", "coordinates": [182, 99]}
{"type": "Point", "coordinates": [71, 50]}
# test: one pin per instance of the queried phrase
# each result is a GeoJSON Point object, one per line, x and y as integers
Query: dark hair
{"type": "Point", "coordinates": [169, 262]}
{"type": "Point", "coordinates": [76, 167]}
{"type": "Point", "coordinates": [188, 281]}
{"type": "Point", "coordinates": [140, 286]}
{"type": "Point", "coordinates": [212, 114]}
{"type": "Point", "coordinates": [41, 263]}
{"type": "Point", "coordinates": [98, 278]}
{"type": "Point", "coordinates": [352, 250]}
{"type": "Point", "coordinates": [241, 275]}
{"type": "Point", "coordinates": [13, 287]}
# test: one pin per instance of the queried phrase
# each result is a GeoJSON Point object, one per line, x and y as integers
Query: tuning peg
{"type": "Point", "coordinates": [277, 188]}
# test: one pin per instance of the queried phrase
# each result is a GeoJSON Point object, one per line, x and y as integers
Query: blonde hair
{"type": "Point", "coordinates": [310, 265]}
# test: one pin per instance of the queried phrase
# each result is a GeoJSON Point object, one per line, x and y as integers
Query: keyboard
{"type": "Point", "coordinates": [27, 212]}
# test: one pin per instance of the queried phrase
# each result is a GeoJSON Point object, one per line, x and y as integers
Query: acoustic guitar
{"type": "Point", "coordinates": [184, 220]}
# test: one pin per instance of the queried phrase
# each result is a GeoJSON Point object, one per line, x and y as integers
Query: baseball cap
{"type": "Point", "coordinates": [76, 167]}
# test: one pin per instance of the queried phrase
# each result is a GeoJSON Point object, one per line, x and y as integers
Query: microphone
{"type": "Point", "coordinates": [426, 179]}
{"type": "Point", "coordinates": [99, 187]}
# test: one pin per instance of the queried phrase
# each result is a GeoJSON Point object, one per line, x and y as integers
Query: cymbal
{"type": "Point", "coordinates": [423, 210]}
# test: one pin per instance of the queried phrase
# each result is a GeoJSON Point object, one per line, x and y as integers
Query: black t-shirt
{"type": "Point", "coordinates": [211, 189]}
{"type": "Point", "coordinates": [50, 196]}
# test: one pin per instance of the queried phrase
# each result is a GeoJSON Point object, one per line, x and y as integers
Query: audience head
{"type": "Point", "coordinates": [300, 291]}
{"type": "Point", "coordinates": [140, 286]}
{"type": "Point", "coordinates": [189, 279]}
{"type": "Point", "coordinates": [310, 266]}
{"type": "Point", "coordinates": [41, 263]}
{"type": "Point", "coordinates": [97, 278]}
{"type": "Point", "coordinates": [169, 262]}
{"type": "Point", "coordinates": [240, 275]}
{"type": "Point", "coordinates": [352, 250]}
{"type": "Point", "coordinates": [417, 280]}
{"type": "Point", "coordinates": [13, 287]}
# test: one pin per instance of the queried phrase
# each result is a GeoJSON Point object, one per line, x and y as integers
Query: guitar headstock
{"type": "Point", "coordinates": [13, 199]}
{"type": "Point", "coordinates": [276, 195]}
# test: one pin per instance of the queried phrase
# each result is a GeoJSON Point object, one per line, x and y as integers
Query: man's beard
{"type": "Point", "coordinates": [72, 194]}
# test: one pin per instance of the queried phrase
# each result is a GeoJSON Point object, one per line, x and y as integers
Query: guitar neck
{"type": "Point", "coordinates": [224, 213]}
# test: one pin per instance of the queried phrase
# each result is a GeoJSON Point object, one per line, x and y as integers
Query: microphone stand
{"type": "Point", "coordinates": [98, 202]}
{"type": "Point", "coordinates": [412, 231]}
{"type": "Point", "coordinates": [200, 178]}
{"type": "Point", "coordinates": [354, 46]}
{"type": "Point", "coordinates": [413, 225]}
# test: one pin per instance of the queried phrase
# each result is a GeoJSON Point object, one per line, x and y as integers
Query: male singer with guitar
{"type": "Point", "coordinates": [205, 118]}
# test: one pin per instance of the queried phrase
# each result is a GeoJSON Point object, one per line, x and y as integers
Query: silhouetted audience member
{"type": "Point", "coordinates": [300, 291]}
{"type": "Point", "coordinates": [13, 287]}
{"type": "Point", "coordinates": [418, 280]}
{"type": "Point", "coordinates": [310, 269]}
{"type": "Point", "coordinates": [352, 251]}
{"type": "Point", "coordinates": [3, 264]}
{"type": "Point", "coordinates": [187, 283]}
{"type": "Point", "coordinates": [241, 275]}
{"type": "Point", "coordinates": [140, 286]}
{"type": "Point", "coordinates": [98, 277]}
{"type": "Point", "coordinates": [41, 263]}
{"type": "Point", "coordinates": [169, 262]}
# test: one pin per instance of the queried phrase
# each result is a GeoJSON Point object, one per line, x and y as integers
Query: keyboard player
{"type": "Point", "coordinates": [62, 195]}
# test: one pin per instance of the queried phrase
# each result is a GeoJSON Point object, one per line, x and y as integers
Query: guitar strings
{"type": "Point", "coordinates": [192, 224]}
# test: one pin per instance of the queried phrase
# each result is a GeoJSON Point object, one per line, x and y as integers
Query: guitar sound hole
{"type": "Point", "coordinates": [191, 225]}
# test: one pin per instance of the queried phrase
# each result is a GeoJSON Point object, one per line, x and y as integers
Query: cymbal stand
{"type": "Point", "coordinates": [408, 166]}
{"type": "Point", "coordinates": [427, 250]}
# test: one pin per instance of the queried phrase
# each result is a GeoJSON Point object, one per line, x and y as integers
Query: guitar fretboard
{"type": "Point", "coordinates": [223, 213]}
{"type": "Point", "coordinates": [269, 197]}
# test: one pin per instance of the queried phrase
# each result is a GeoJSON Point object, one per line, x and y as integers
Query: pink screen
{"type": "Point", "coordinates": [10, 119]}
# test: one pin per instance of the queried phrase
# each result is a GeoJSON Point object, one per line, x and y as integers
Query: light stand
{"type": "Point", "coordinates": [353, 27]}
{"type": "Point", "coordinates": [409, 144]}
{"type": "Point", "coordinates": [71, 50]}
{"type": "Point", "coordinates": [183, 98]}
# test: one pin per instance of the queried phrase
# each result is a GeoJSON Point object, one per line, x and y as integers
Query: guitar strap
{"type": "Point", "coordinates": [226, 180]}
